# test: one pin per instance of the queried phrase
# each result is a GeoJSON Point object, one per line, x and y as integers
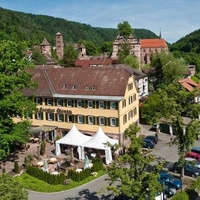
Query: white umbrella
{"type": "Point", "coordinates": [86, 162]}
{"type": "Point", "coordinates": [46, 167]}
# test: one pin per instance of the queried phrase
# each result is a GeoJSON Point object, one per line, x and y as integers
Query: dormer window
{"type": "Point", "coordinates": [74, 87]}
{"type": "Point", "coordinates": [93, 88]}
{"type": "Point", "coordinates": [64, 87]}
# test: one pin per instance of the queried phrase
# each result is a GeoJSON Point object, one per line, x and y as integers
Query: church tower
{"type": "Point", "coordinates": [59, 45]}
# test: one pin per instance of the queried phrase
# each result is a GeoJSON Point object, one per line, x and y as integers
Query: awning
{"type": "Point", "coordinates": [42, 129]}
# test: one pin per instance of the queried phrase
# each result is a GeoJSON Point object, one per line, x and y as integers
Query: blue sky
{"type": "Point", "coordinates": [175, 18]}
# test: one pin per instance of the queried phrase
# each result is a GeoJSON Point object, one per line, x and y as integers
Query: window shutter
{"type": "Point", "coordinates": [46, 116]}
{"type": "Point", "coordinates": [108, 120]}
{"type": "Point", "coordinates": [45, 101]}
{"type": "Point", "coordinates": [56, 117]}
{"type": "Point", "coordinates": [75, 103]}
{"type": "Point", "coordinates": [97, 120]}
{"type": "Point", "coordinates": [117, 122]}
{"type": "Point", "coordinates": [42, 115]}
{"type": "Point", "coordinates": [105, 103]}
{"type": "Point", "coordinates": [73, 118]}
{"type": "Point", "coordinates": [62, 118]}
{"type": "Point", "coordinates": [94, 104]}
{"type": "Point", "coordinates": [52, 116]}
{"type": "Point", "coordinates": [61, 102]}
{"type": "Point", "coordinates": [97, 104]}
{"type": "Point", "coordinates": [84, 119]}
{"type": "Point", "coordinates": [83, 103]}
{"type": "Point", "coordinates": [94, 118]}
{"type": "Point", "coordinates": [35, 115]}
{"type": "Point", "coordinates": [116, 105]}
{"type": "Point", "coordinates": [65, 118]}
{"type": "Point", "coordinates": [86, 104]}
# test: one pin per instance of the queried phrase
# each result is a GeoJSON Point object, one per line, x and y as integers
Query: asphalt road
{"type": "Point", "coordinates": [95, 190]}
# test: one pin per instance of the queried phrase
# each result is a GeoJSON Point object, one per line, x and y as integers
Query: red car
{"type": "Point", "coordinates": [193, 155]}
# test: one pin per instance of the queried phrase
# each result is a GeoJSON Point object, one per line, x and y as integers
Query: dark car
{"type": "Point", "coordinates": [148, 143]}
{"type": "Point", "coordinates": [171, 180]}
{"type": "Point", "coordinates": [153, 138]}
{"type": "Point", "coordinates": [189, 170]}
{"type": "Point", "coordinates": [195, 150]}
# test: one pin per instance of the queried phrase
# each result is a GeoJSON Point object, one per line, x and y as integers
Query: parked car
{"type": "Point", "coordinates": [171, 180]}
{"type": "Point", "coordinates": [193, 155]}
{"type": "Point", "coordinates": [169, 190]}
{"type": "Point", "coordinates": [153, 138]}
{"type": "Point", "coordinates": [148, 143]}
{"type": "Point", "coordinates": [196, 150]}
{"type": "Point", "coordinates": [193, 161]}
{"type": "Point", "coordinates": [189, 170]}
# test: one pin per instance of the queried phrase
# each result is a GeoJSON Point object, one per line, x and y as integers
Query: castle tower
{"type": "Point", "coordinates": [45, 47]}
{"type": "Point", "coordinates": [81, 51]}
{"type": "Point", "coordinates": [59, 45]}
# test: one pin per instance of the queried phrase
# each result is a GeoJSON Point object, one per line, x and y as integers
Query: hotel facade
{"type": "Point", "coordinates": [88, 98]}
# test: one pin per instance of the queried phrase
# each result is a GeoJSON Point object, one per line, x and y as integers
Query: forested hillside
{"type": "Point", "coordinates": [188, 47]}
{"type": "Point", "coordinates": [33, 28]}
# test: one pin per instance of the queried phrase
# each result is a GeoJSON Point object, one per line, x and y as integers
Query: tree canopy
{"type": "Point", "coordinates": [10, 189]}
{"type": "Point", "coordinates": [13, 79]}
{"type": "Point", "coordinates": [130, 170]}
{"type": "Point", "coordinates": [125, 29]}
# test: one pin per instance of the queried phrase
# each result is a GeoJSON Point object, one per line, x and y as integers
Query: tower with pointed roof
{"type": "Point", "coordinates": [59, 45]}
{"type": "Point", "coordinates": [45, 47]}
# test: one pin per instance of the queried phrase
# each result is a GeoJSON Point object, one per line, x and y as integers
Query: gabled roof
{"type": "Point", "coordinates": [188, 84]}
{"type": "Point", "coordinates": [98, 81]}
{"type": "Point", "coordinates": [153, 43]}
{"type": "Point", "coordinates": [45, 43]}
{"type": "Point", "coordinates": [92, 62]}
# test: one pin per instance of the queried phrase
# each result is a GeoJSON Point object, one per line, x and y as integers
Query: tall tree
{"type": "Point", "coordinates": [38, 58]}
{"type": "Point", "coordinates": [125, 29]}
{"type": "Point", "coordinates": [132, 61]}
{"type": "Point", "coordinates": [129, 170]}
{"type": "Point", "coordinates": [10, 189]}
{"type": "Point", "coordinates": [13, 79]}
{"type": "Point", "coordinates": [167, 68]}
{"type": "Point", "coordinates": [70, 55]}
{"type": "Point", "coordinates": [171, 103]}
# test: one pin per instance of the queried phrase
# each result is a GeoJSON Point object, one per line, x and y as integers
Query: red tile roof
{"type": "Point", "coordinates": [188, 84]}
{"type": "Point", "coordinates": [153, 43]}
{"type": "Point", "coordinates": [92, 62]}
{"type": "Point", "coordinates": [103, 81]}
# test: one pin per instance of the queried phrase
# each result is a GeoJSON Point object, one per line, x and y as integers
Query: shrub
{"type": "Point", "coordinates": [42, 148]}
{"type": "Point", "coordinates": [181, 196]}
{"type": "Point", "coordinates": [16, 167]}
{"type": "Point", "coordinates": [195, 79]}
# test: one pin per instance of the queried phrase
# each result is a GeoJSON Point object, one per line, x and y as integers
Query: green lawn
{"type": "Point", "coordinates": [32, 183]}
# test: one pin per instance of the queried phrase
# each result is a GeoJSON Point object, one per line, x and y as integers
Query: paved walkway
{"type": "Point", "coordinates": [20, 155]}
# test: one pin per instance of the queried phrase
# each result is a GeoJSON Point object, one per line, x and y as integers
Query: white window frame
{"type": "Point", "coordinates": [59, 102]}
{"type": "Point", "coordinates": [38, 101]}
{"type": "Point", "coordinates": [79, 102]}
{"type": "Point", "coordinates": [60, 117]}
{"type": "Point", "coordinates": [112, 105]}
{"type": "Point", "coordinates": [80, 119]}
{"type": "Point", "coordinates": [50, 116]}
{"type": "Point", "coordinates": [100, 122]}
{"type": "Point", "coordinates": [113, 120]}
{"type": "Point", "coordinates": [101, 104]}
{"type": "Point", "coordinates": [68, 104]}
{"type": "Point", "coordinates": [49, 102]}
{"type": "Point", "coordinates": [68, 118]}
{"type": "Point", "coordinates": [39, 115]}
{"type": "Point", "coordinates": [91, 120]}
{"type": "Point", "coordinates": [90, 102]}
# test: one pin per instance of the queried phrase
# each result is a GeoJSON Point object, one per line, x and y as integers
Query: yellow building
{"type": "Point", "coordinates": [88, 98]}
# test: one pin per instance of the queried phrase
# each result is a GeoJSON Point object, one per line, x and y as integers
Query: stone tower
{"type": "Point", "coordinates": [59, 45]}
{"type": "Point", "coordinates": [45, 47]}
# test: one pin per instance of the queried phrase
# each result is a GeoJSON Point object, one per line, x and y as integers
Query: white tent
{"type": "Point", "coordinates": [73, 137]}
{"type": "Point", "coordinates": [98, 141]}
